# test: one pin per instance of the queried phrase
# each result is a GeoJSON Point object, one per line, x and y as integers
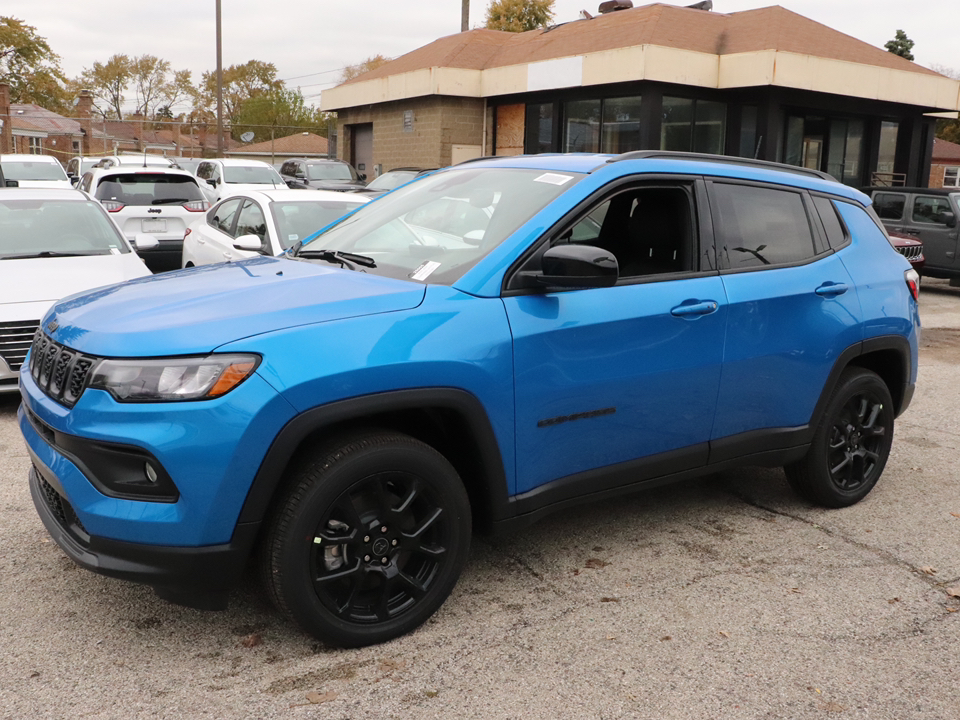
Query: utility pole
{"type": "Point", "coordinates": [464, 15]}
{"type": "Point", "coordinates": [220, 85]}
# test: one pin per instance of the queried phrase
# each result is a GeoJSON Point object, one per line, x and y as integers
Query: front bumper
{"type": "Point", "coordinates": [196, 577]}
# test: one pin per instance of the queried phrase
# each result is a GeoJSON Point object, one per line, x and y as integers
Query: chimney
{"type": "Point", "coordinates": [6, 134]}
{"type": "Point", "coordinates": [613, 5]}
{"type": "Point", "coordinates": [85, 116]}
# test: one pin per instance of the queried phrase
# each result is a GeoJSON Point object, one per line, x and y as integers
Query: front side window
{"type": "Point", "coordinates": [51, 228]}
{"type": "Point", "coordinates": [204, 171]}
{"type": "Point", "coordinates": [224, 215]}
{"type": "Point", "coordinates": [930, 210]}
{"type": "Point", "coordinates": [437, 228]}
{"type": "Point", "coordinates": [889, 206]}
{"type": "Point", "coordinates": [251, 221]}
{"type": "Point", "coordinates": [760, 227]}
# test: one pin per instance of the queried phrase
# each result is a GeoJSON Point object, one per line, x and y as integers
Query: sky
{"type": "Point", "coordinates": [310, 41]}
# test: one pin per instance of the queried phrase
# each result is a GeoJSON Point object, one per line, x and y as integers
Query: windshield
{"type": "Point", "coordinates": [148, 188]}
{"type": "Point", "coordinates": [252, 175]}
{"type": "Point", "coordinates": [331, 171]}
{"type": "Point", "coordinates": [26, 170]}
{"type": "Point", "coordinates": [297, 220]}
{"type": "Point", "coordinates": [31, 228]}
{"type": "Point", "coordinates": [440, 226]}
{"type": "Point", "coordinates": [392, 179]}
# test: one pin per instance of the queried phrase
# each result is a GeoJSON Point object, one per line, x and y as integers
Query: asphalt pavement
{"type": "Point", "coordinates": [725, 598]}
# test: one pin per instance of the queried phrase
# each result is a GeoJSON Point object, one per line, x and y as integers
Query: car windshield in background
{"type": "Point", "coordinates": [54, 228]}
{"type": "Point", "coordinates": [297, 220]}
{"type": "Point", "coordinates": [252, 176]}
{"type": "Point", "coordinates": [188, 165]}
{"type": "Point", "coordinates": [146, 188]}
{"type": "Point", "coordinates": [330, 171]}
{"type": "Point", "coordinates": [20, 170]}
{"type": "Point", "coordinates": [391, 180]}
{"type": "Point", "coordinates": [437, 228]}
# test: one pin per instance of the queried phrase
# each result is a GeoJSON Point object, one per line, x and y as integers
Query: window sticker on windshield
{"type": "Point", "coordinates": [293, 238]}
{"type": "Point", "coordinates": [554, 179]}
{"type": "Point", "coordinates": [425, 270]}
{"type": "Point", "coordinates": [114, 251]}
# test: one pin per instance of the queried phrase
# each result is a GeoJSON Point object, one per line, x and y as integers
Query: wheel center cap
{"type": "Point", "coordinates": [380, 546]}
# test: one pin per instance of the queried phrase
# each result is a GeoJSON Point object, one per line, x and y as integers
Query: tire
{"type": "Point", "coordinates": [368, 541]}
{"type": "Point", "coordinates": [851, 444]}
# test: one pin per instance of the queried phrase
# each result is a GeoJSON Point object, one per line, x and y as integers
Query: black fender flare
{"type": "Point", "coordinates": [270, 472]}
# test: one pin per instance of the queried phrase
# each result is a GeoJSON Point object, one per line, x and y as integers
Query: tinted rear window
{"type": "Point", "coordinates": [889, 206]}
{"type": "Point", "coordinates": [762, 226]}
{"type": "Point", "coordinates": [146, 188]}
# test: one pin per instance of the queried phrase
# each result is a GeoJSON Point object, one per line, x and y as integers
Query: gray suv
{"type": "Point", "coordinates": [930, 215]}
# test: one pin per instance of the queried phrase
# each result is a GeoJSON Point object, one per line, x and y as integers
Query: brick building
{"type": "Point", "coordinates": [945, 164]}
{"type": "Point", "coordinates": [765, 83]}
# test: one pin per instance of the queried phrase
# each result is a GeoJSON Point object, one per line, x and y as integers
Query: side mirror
{"type": "Point", "coordinates": [948, 218]}
{"type": "Point", "coordinates": [363, 176]}
{"type": "Point", "coordinates": [145, 241]}
{"type": "Point", "coordinates": [248, 242]}
{"type": "Point", "coordinates": [212, 182]}
{"type": "Point", "coordinates": [578, 266]}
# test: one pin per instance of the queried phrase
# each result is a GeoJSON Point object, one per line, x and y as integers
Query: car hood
{"type": "Point", "coordinates": [196, 310]}
{"type": "Point", "coordinates": [33, 280]}
{"type": "Point", "coordinates": [58, 184]}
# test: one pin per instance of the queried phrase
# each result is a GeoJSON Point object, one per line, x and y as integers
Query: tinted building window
{"type": "Point", "coordinates": [621, 125]}
{"type": "Point", "coordinates": [581, 130]}
{"type": "Point", "coordinates": [693, 125]}
{"type": "Point", "coordinates": [762, 226]}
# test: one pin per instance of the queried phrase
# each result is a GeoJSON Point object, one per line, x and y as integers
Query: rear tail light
{"type": "Point", "coordinates": [112, 205]}
{"type": "Point", "coordinates": [197, 205]}
{"type": "Point", "coordinates": [913, 282]}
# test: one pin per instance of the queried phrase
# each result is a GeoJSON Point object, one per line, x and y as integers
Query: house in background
{"type": "Point", "coordinates": [36, 131]}
{"type": "Point", "coordinates": [302, 144]}
{"type": "Point", "coordinates": [765, 83]}
{"type": "Point", "coordinates": [945, 165]}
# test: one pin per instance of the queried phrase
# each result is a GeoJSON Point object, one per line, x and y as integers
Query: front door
{"type": "Point", "coordinates": [925, 220]}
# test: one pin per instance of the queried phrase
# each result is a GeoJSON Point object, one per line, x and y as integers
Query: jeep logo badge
{"type": "Point", "coordinates": [52, 325]}
{"type": "Point", "coordinates": [153, 210]}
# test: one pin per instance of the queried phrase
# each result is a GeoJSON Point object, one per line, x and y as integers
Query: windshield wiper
{"type": "Point", "coordinates": [347, 260]}
{"type": "Point", "coordinates": [169, 201]}
{"type": "Point", "coordinates": [47, 253]}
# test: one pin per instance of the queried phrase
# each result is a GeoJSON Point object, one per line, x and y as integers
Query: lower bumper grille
{"type": "Point", "coordinates": [61, 509]}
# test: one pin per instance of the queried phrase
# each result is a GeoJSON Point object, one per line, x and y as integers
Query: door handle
{"type": "Point", "coordinates": [693, 308]}
{"type": "Point", "coordinates": [831, 289]}
{"type": "Point", "coordinates": [228, 255]}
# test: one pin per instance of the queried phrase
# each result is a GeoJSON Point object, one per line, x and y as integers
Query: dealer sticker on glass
{"type": "Point", "coordinates": [554, 179]}
{"type": "Point", "coordinates": [424, 271]}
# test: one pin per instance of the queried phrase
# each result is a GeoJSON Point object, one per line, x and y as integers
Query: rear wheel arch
{"type": "Point", "coordinates": [450, 420]}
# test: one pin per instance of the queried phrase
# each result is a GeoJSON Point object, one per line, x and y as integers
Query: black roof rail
{"type": "Point", "coordinates": [727, 159]}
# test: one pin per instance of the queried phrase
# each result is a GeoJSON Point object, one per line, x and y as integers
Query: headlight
{"type": "Point", "coordinates": [170, 379]}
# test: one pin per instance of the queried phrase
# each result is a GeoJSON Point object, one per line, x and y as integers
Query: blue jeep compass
{"type": "Point", "coordinates": [482, 346]}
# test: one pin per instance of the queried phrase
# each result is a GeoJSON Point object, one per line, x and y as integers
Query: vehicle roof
{"type": "Point", "coordinates": [319, 161]}
{"type": "Point", "coordinates": [679, 163]}
{"type": "Point", "coordinates": [135, 169]}
{"type": "Point", "coordinates": [28, 193]}
{"type": "Point", "coordinates": [925, 191]}
{"type": "Point", "coordinates": [26, 157]}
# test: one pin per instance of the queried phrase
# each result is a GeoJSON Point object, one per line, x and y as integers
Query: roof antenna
{"type": "Point", "coordinates": [144, 156]}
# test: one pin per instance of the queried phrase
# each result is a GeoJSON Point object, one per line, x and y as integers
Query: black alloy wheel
{"type": "Point", "coordinates": [369, 540]}
{"type": "Point", "coordinates": [851, 444]}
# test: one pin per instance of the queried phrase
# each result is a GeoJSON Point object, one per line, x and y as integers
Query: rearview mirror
{"type": "Point", "coordinates": [144, 241]}
{"type": "Point", "coordinates": [247, 242]}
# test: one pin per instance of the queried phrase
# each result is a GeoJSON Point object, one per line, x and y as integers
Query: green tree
{"type": "Point", "coordinates": [281, 111]}
{"type": "Point", "coordinates": [108, 81]}
{"type": "Point", "coordinates": [30, 67]}
{"type": "Point", "coordinates": [240, 84]}
{"type": "Point", "coordinates": [901, 45]}
{"type": "Point", "coordinates": [371, 63]}
{"type": "Point", "coordinates": [156, 86]}
{"type": "Point", "coordinates": [519, 15]}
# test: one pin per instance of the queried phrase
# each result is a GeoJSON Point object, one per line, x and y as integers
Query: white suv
{"type": "Point", "coordinates": [158, 201]}
{"type": "Point", "coordinates": [222, 177]}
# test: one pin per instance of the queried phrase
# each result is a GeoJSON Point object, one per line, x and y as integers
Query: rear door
{"type": "Point", "coordinates": [793, 309]}
{"type": "Point", "coordinates": [215, 236]}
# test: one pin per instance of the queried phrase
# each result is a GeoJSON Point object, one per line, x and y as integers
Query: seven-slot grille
{"type": "Point", "coordinates": [911, 252]}
{"type": "Point", "coordinates": [60, 372]}
{"type": "Point", "coordinates": [15, 338]}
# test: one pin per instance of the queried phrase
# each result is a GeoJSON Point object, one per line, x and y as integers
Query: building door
{"type": "Point", "coordinates": [361, 151]}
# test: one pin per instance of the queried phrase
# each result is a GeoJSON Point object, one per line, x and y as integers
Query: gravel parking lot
{"type": "Point", "coordinates": [725, 598]}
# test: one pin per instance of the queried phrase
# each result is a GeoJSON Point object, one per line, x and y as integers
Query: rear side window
{"type": "Point", "coordinates": [146, 188]}
{"type": "Point", "coordinates": [930, 210]}
{"type": "Point", "coordinates": [836, 233]}
{"type": "Point", "coordinates": [889, 206]}
{"type": "Point", "coordinates": [759, 226]}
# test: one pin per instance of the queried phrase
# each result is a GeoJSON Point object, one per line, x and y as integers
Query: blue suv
{"type": "Point", "coordinates": [493, 342]}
